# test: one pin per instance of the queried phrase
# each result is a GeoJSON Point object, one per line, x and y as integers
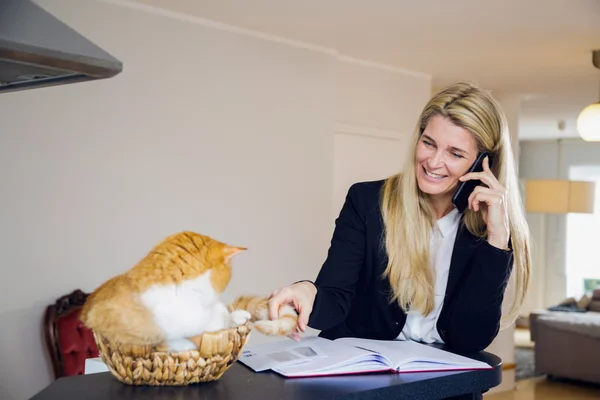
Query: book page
{"type": "Point", "coordinates": [413, 356]}
{"type": "Point", "coordinates": [340, 359]}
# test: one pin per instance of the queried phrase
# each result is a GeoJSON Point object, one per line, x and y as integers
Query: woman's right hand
{"type": "Point", "coordinates": [301, 295]}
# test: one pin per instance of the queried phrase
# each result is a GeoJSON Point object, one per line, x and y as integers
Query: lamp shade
{"type": "Point", "coordinates": [588, 123]}
{"type": "Point", "coordinates": [558, 196]}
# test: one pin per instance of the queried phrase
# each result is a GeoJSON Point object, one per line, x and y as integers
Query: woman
{"type": "Point", "coordinates": [404, 263]}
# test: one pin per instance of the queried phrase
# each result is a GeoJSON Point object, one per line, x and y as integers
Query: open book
{"type": "Point", "coordinates": [316, 356]}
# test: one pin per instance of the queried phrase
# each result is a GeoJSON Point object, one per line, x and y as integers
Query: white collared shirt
{"type": "Point", "coordinates": [423, 328]}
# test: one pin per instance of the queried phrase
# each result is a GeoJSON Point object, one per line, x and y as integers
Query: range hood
{"type": "Point", "coordinates": [38, 50]}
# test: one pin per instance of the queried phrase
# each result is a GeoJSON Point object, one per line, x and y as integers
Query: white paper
{"type": "Point", "coordinates": [94, 366]}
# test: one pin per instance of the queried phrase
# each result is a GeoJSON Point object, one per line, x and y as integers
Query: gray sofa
{"type": "Point", "coordinates": [567, 344]}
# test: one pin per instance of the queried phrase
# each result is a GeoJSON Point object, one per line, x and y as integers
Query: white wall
{"type": "Point", "coordinates": [551, 160]}
{"type": "Point", "coordinates": [208, 130]}
{"type": "Point", "coordinates": [376, 114]}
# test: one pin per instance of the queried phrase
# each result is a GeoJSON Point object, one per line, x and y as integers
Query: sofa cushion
{"type": "Point", "coordinates": [594, 305]}
{"type": "Point", "coordinates": [586, 324]}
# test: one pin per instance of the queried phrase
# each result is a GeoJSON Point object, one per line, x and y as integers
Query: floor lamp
{"type": "Point", "coordinates": [559, 196]}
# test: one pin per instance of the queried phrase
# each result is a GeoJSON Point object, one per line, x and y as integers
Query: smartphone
{"type": "Point", "coordinates": [464, 190]}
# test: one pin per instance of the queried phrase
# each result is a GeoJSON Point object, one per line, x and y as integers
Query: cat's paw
{"type": "Point", "coordinates": [280, 327]}
{"type": "Point", "coordinates": [240, 317]}
{"type": "Point", "coordinates": [178, 345]}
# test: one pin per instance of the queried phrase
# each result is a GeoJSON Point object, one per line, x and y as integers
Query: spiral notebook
{"type": "Point", "coordinates": [316, 356]}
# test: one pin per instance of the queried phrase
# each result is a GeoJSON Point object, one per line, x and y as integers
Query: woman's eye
{"type": "Point", "coordinates": [427, 143]}
{"type": "Point", "coordinates": [456, 155]}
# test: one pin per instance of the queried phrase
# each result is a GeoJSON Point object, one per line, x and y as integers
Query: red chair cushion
{"type": "Point", "coordinates": [76, 343]}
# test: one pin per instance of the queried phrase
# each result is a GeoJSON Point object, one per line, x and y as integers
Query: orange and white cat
{"type": "Point", "coordinates": [172, 295]}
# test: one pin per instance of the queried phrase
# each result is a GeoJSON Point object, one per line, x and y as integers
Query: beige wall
{"type": "Point", "coordinates": [206, 129]}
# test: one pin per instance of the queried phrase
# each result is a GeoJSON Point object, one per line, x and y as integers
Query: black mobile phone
{"type": "Point", "coordinates": [464, 190]}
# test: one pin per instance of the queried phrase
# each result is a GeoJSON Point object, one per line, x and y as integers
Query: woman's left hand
{"type": "Point", "coordinates": [491, 201]}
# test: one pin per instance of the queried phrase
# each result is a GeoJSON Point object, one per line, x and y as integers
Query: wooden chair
{"type": "Point", "coordinates": [68, 341]}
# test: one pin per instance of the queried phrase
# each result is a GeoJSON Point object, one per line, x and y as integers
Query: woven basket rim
{"type": "Point", "coordinates": [144, 365]}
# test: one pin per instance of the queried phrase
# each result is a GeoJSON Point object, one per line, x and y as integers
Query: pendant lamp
{"type": "Point", "coordinates": [588, 122]}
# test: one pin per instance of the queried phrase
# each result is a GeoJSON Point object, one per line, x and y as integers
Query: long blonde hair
{"type": "Point", "coordinates": [408, 215]}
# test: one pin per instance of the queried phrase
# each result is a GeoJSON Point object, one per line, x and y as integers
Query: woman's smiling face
{"type": "Point", "coordinates": [444, 153]}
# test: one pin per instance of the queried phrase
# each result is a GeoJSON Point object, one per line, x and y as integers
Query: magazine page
{"type": "Point", "coordinates": [282, 353]}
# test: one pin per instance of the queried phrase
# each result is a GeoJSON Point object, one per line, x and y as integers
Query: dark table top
{"type": "Point", "coordinates": [240, 382]}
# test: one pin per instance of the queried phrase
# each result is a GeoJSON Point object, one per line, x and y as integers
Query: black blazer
{"type": "Point", "coordinates": [353, 299]}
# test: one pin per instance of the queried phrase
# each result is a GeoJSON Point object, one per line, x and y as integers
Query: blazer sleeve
{"type": "Point", "coordinates": [474, 319]}
{"type": "Point", "coordinates": [337, 278]}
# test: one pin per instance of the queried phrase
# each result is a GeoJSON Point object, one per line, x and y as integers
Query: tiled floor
{"type": "Point", "coordinates": [543, 389]}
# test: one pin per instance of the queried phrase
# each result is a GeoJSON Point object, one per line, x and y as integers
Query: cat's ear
{"type": "Point", "coordinates": [230, 251]}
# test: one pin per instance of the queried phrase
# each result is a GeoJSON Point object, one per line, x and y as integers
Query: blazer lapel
{"type": "Point", "coordinates": [464, 246]}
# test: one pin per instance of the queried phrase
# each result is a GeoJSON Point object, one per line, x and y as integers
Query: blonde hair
{"type": "Point", "coordinates": [408, 215]}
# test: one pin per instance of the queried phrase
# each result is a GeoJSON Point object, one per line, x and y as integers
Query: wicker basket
{"type": "Point", "coordinates": [154, 366]}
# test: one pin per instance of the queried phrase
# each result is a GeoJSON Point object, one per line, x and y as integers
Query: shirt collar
{"type": "Point", "coordinates": [447, 222]}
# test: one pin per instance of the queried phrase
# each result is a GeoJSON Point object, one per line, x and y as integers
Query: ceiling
{"type": "Point", "coordinates": [538, 49]}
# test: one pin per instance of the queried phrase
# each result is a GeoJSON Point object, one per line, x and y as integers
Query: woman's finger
{"type": "Point", "coordinates": [486, 177]}
{"type": "Point", "coordinates": [486, 190]}
{"type": "Point", "coordinates": [486, 164]}
{"type": "Point", "coordinates": [273, 308]}
{"type": "Point", "coordinates": [303, 315]}
{"type": "Point", "coordinates": [294, 336]}
{"type": "Point", "coordinates": [482, 189]}
{"type": "Point", "coordinates": [275, 303]}
{"type": "Point", "coordinates": [491, 198]}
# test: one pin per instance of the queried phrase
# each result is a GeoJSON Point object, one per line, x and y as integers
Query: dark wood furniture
{"type": "Point", "coordinates": [68, 342]}
{"type": "Point", "coordinates": [240, 382]}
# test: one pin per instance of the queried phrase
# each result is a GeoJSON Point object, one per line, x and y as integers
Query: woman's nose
{"type": "Point", "coordinates": [435, 160]}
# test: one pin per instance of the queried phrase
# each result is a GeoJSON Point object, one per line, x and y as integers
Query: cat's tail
{"type": "Point", "coordinates": [258, 307]}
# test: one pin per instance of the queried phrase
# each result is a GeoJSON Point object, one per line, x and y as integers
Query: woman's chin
{"type": "Point", "coordinates": [431, 188]}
